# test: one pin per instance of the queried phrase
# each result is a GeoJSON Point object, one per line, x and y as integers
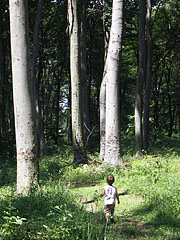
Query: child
{"type": "Point", "coordinates": [111, 194]}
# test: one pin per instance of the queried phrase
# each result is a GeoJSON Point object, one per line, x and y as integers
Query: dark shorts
{"type": "Point", "coordinates": [108, 208]}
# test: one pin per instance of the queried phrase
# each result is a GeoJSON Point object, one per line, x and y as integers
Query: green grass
{"type": "Point", "coordinates": [69, 206]}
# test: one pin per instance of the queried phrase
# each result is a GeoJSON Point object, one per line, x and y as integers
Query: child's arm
{"type": "Point", "coordinates": [103, 193]}
{"type": "Point", "coordinates": [117, 196]}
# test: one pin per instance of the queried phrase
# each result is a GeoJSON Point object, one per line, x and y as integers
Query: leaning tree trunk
{"type": "Point", "coordinates": [112, 151]}
{"type": "Point", "coordinates": [140, 79]}
{"type": "Point", "coordinates": [25, 126]}
{"type": "Point", "coordinates": [148, 77]}
{"type": "Point", "coordinates": [76, 95]}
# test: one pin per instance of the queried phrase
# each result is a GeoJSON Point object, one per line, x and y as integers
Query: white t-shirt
{"type": "Point", "coordinates": [110, 195]}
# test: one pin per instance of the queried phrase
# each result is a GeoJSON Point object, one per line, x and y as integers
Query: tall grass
{"type": "Point", "coordinates": [157, 181]}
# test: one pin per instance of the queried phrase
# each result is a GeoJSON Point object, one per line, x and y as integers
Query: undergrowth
{"type": "Point", "coordinates": [149, 191]}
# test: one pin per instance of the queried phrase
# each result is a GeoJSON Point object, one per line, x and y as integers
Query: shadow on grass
{"type": "Point", "coordinates": [127, 227]}
{"type": "Point", "coordinates": [158, 217]}
{"type": "Point", "coordinates": [147, 223]}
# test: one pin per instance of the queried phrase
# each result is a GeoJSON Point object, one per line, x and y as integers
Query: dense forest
{"type": "Point", "coordinates": [70, 46]}
{"type": "Point", "coordinates": [89, 88]}
{"type": "Point", "coordinates": [53, 69]}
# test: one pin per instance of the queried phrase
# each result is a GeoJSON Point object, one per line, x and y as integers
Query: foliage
{"type": "Point", "coordinates": [53, 214]}
{"type": "Point", "coordinates": [7, 172]}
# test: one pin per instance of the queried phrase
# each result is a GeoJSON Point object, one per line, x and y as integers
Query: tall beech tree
{"type": "Point", "coordinates": [76, 84]}
{"type": "Point", "coordinates": [148, 77]}
{"type": "Point", "coordinates": [25, 126]}
{"type": "Point", "coordinates": [140, 79]}
{"type": "Point", "coordinates": [112, 134]}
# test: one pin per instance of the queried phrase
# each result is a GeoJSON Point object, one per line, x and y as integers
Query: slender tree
{"type": "Point", "coordinates": [102, 95]}
{"type": "Point", "coordinates": [148, 77]}
{"type": "Point", "coordinates": [140, 79]}
{"type": "Point", "coordinates": [1, 81]}
{"type": "Point", "coordinates": [25, 126]}
{"type": "Point", "coordinates": [39, 123]}
{"type": "Point", "coordinates": [112, 151]}
{"type": "Point", "coordinates": [58, 80]}
{"type": "Point", "coordinates": [85, 82]}
{"type": "Point", "coordinates": [76, 85]}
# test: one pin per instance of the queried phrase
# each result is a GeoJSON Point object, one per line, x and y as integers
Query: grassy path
{"type": "Point", "coordinates": [132, 216]}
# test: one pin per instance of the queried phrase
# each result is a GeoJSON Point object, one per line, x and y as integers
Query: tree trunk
{"type": "Point", "coordinates": [39, 123]}
{"type": "Point", "coordinates": [85, 83]}
{"type": "Point", "coordinates": [106, 30]}
{"type": "Point", "coordinates": [112, 151]}
{"type": "Point", "coordinates": [102, 95]}
{"type": "Point", "coordinates": [58, 78]}
{"type": "Point", "coordinates": [76, 95]}
{"type": "Point", "coordinates": [140, 79]}
{"type": "Point", "coordinates": [102, 106]}
{"type": "Point", "coordinates": [179, 117]}
{"type": "Point", "coordinates": [170, 110]}
{"type": "Point", "coordinates": [148, 77]}
{"type": "Point", "coordinates": [1, 82]}
{"type": "Point", "coordinates": [25, 126]}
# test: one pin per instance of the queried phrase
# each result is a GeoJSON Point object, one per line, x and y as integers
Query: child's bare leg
{"type": "Point", "coordinates": [107, 213]}
{"type": "Point", "coordinates": [107, 217]}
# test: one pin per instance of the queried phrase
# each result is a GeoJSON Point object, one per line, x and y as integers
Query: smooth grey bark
{"type": "Point", "coordinates": [76, 85]}
{"type": "Point", "coordinates": [39, 122]}
{"type": "Point", "coordinates": [25, 126]}
{"type": "Point", "coordinates": [102, 108]}
{"type": "Point", "coordinates": [112, 147]}
{"type": "Point", "coordinates": [85, 82]}
{"type": "Point", "coordinates": [102, 95]}
{"type": "Point", "coordinates": [140, 80]}
{"type": "Point", "coordinates": [148, 77]}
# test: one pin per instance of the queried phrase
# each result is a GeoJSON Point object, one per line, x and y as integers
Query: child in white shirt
{"type": "Point", "coordinates": [110, 193]}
